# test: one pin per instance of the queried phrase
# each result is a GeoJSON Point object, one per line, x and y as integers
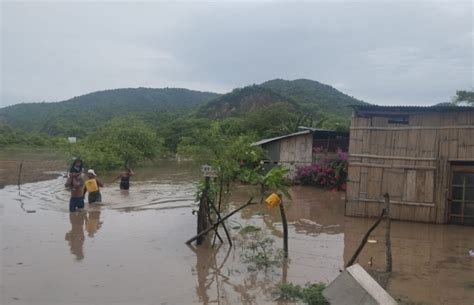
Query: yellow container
{"type": "Point", "coordinates": [272, 201]}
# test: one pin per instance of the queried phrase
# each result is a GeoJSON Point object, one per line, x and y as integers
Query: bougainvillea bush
{"type": "Point", "coordinates": [329, 173]}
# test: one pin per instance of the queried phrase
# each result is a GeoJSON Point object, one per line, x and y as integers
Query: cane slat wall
{"type": "Point", "coordinates": [409, 161]}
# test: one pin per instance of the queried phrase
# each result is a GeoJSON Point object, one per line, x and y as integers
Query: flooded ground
{"type": "Point", "coordinates": [130, 249]}
{"type": "Point", "coordinates": [36, 165]}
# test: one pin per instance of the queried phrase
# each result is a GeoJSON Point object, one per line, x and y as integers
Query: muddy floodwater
{"type": "Point", "coordinates": [131, 250]}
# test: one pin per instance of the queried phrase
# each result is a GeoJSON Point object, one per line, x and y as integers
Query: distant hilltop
{"type": "Point", "coordinates": [91, 110]}
{"type": "Point", "coordinates": [295, 94]}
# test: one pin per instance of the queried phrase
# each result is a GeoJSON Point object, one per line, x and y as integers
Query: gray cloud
{"type": "Point", "coordinates": [382, 52]}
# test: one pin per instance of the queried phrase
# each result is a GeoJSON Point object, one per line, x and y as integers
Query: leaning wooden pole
{"type": "Point", "coordinates": [388, 242]}
{"type": "Point", "coordinates": [364, 240]}
{"type": "Point", "coordinates": [219, 218]}
{"type": "Point", "coordinates": [19, 176]}
{"type": "Point", "coordinates": [219, 222]}
{"type": "Point", "coordinates": [285, 229]}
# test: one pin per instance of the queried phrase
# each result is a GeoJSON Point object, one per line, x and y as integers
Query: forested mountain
{"type": "Point", "coordinates": [243, 100]}
{"type": "Point", "coordinates": [273, 108]}
{"type": "Point", "coordinates": [302, 95]}
{"type": "Point", "coordinates": [81, 114]}
{"type": "Point", "coordinates": [309, 92]}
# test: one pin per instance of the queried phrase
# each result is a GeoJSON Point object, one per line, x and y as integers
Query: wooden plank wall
{"type": "Point", "coordinates": [410, 162]}
{"type": "Point", "coordinates": [296, 151]}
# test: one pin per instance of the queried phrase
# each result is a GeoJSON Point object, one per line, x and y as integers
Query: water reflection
{"type": "Point", "coordinates": [80, 223]}
{"type": "Point", "coordinates": [75, 237]}
{"type": "Point", "coordinates": [223, 279]}
{"type": "Point", "coordinates": [93, 222]}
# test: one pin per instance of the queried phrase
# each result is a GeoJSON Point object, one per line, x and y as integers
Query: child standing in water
{"type": "Point", "coordinates": [76, 168]}
{"type": "Point", "coordinates": [125, 178]}
{"type": "Point", "coordinates": [92, 185]}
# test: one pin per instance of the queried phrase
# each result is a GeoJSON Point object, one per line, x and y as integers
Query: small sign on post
{"type": "Point", "coordinates": [208, 171]}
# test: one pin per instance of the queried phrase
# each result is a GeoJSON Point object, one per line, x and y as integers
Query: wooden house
{"type": "Point", "coordinates": [299, 148]}
{"type": "Point", "coordinates": [423, 157]}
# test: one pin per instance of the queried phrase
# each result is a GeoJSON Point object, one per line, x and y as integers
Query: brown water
{"type": "Point", "coordinates": [130, 249]}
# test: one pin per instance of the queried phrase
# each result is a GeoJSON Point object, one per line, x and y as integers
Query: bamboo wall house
{"type": "Point", "coordinates": [422, 156]}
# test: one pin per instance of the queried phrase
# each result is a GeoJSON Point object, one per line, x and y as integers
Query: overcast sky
{"type": "Point", "coordinates": [383, 52]}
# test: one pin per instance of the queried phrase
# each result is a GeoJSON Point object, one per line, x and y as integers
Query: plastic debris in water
{"type": "Point", "coordinates": [372, 241]}
{"type": "Point", "coordinates": [471, 253]}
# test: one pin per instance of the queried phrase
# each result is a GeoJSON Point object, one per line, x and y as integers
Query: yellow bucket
{"type": "Point", "coordinates": [272, 201]}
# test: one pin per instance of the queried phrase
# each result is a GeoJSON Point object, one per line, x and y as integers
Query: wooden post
{"type": "Point", "coordinates": [219, 222]}
{"type": "Point", "coordinates": [285, 228]}
{"type": "Point", "coordinates": [388, 242]}
{"type": "Point", "coordinates": [203, 213]}
{"type": "Point", "coordinates": [218, 212]}
{"type": "Point", "coordinates": [19, 176]}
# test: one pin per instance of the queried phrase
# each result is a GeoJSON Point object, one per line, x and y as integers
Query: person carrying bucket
{"type": "Point", "coordinates": [92, 185]}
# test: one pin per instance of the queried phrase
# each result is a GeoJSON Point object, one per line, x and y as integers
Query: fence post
{"type": "Point", "coordinates": [203, 213]}
{"type": "Point", "coordinates": [388, 242]}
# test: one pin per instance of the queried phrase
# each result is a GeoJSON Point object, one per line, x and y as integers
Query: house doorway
{"type": "Point", "coordinates": [461, 202]}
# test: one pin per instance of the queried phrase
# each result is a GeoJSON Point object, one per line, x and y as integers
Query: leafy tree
{"type": "Point", "coordinates": [464, 96]}
{"type": "Point", "coordinates": [120, 141]}
{"type": "Point", "coordinates": [226, 153]}
{"type": "Point", "coordinates": [274, 180]}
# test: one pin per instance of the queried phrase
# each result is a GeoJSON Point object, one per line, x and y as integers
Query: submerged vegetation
{"type": "Point", "coordinates": [311, 294]}
{"type": "Point", "coordinates": [258, 250]}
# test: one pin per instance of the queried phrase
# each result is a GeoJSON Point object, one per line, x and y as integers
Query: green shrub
{"type": "Point", "coordinates": [311, 294]}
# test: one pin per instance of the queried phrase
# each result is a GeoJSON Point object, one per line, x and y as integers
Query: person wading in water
{"type": "Point", "coordinates": [125, 178]}
{"type": "Point", "coordinates": [77, 200]}
{"type": "Point", "coordinates": [92, 185]}
{"type": "Point", "coordinates": [75, 184]}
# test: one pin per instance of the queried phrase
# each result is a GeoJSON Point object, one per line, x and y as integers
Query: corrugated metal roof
{"type": "Point", "coordinates": [435, 108]}
{"type": "Point", "coordinates": [265, 141]}
{"type": "Point", "coordinates": [323, 131]}
{"type": "Point", "coordinates": [313, 129]}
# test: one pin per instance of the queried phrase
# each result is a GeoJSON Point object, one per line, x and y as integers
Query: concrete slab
{"type": "Point", "coordinates": [355, 286]}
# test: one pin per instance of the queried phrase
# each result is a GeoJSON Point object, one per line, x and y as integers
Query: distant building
{"type": "Point", "coordinates": [422, 156]}
{"type": "Point", "coordinates": [303, 147]}
{"type": "Point", "coordinates": [71, 139]}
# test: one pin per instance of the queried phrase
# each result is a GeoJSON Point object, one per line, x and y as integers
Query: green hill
{"type": "Point", "coordinates": [304, 102]}
{"type": "Point", "coordinates": [243, 100]}
{"type": "Point", "coordinates": [79, 115]}
{"type": "Point", "coordinates": [309, 92]}
{"type": "Point", "coordinates": [272, 108]}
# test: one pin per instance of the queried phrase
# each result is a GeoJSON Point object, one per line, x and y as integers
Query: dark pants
{"type": "Point", "coordinates": [124, 185]}
{"type": "Point", "coordinates": [95, 197]}
{"type": "Point", "coordinates": [76, 203]}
